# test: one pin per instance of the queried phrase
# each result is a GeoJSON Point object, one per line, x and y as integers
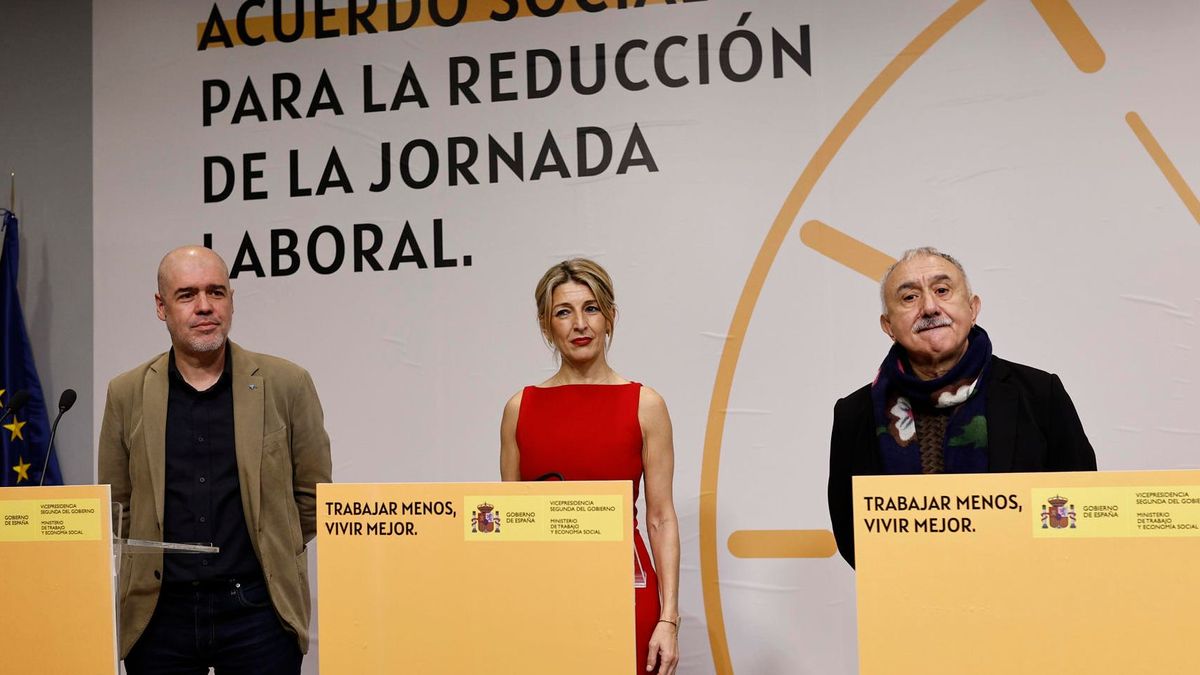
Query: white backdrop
{"type": "Point", "coordinates": [993, 146]}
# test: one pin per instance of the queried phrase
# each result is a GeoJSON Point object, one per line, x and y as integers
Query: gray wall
{"type": "Point", "coordinates": [46, 138]}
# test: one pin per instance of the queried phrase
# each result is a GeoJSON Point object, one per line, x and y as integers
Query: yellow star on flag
{"type": "Point", "coordinates": [15, 428]}
{"type": "Point", "coordinates": [22, 469]}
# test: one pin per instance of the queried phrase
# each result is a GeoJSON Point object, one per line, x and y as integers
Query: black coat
{"type": "Point", "coordinates": [1032, 426]}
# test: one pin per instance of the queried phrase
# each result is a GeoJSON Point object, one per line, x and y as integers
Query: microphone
{"type": "Point", "coordinates": [65, 401]}
{"type": "Point", "coordinates": [15, 403]}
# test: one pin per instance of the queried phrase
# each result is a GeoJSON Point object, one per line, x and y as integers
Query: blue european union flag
{"type": "Point", "coordinates": [23, 435]}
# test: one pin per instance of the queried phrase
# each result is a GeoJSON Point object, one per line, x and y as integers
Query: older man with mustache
{"type": "Point", "coordinates": [942, 402]}
{"type": "Point", "coordinates": [211, 443]}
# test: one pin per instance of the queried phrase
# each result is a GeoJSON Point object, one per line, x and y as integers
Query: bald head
{"type": "Point", "coordinates": [194, 299]}
{"type": "Point", "coordinates": [190, 255]}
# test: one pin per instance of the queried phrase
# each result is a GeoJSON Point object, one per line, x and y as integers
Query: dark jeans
{"type": "Point", "coordinates": [228, 625]}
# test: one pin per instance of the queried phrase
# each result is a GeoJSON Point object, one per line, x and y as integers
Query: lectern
{"type": "Point", "coordinates": [994, 574]}
{"type": "Point", "coordinates": [497, 578]}
{"type": "Point", "coordinates": [56, 580]}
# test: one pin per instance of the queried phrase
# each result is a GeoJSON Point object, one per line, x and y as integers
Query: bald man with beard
{"type": "Point", "coordinates": [941, 401]}
{"type": "Point", "coordinates": [211, 443]}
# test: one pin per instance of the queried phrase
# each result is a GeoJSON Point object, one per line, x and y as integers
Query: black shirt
{"type": "Point", "coordinates": [203, 502]}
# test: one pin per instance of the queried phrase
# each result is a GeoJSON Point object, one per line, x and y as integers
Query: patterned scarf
{"type": "Point", "coordinates": [897, 390]}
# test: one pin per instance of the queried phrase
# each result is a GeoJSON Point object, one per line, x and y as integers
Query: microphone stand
{"type": "Point", "coordinates": [65, 401]}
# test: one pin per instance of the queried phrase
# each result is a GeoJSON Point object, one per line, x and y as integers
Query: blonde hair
{"type": "Point", "coordinates": [581, 271]}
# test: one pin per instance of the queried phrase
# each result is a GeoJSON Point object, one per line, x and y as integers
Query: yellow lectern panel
{"type": "Point", "coordinates": [56, 581]}
{"type": "Point", "coordinates": [1028, 573]}
{"type": "Point", "coordinates": [465, 578]}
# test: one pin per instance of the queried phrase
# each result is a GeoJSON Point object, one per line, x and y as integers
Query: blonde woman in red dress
{"type": "Point", "coordinates": [589, 423]}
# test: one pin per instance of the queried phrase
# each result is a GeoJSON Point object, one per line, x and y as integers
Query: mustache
{"type": "Point", "coordinates": [929, 322]}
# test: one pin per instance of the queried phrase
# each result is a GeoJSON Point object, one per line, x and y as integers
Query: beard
{"type": "Point", "coordinates": [202, 344]}
{"type": "Point", "coordinates": [197, 343]}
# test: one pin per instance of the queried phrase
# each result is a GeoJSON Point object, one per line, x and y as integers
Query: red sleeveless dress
{"type": "Point", "coordinates": [592, 432]}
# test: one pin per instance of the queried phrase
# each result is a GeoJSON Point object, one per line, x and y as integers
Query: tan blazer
{"type": "Point", "coordinates": [282, 453]}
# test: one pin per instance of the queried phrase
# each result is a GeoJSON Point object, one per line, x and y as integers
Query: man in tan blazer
{"type": "Point", "coordinates": [210, 443]}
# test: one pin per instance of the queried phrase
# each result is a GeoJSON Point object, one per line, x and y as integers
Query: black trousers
{"type": "Point", "coordinates": [228, 625]}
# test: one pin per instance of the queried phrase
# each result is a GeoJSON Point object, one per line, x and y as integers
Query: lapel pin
{"type": "Point", "coordinates": [254, 386]}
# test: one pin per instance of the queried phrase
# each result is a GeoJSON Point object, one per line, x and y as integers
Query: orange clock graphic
{"type": "Point", "coordinates": [1085, 52]}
